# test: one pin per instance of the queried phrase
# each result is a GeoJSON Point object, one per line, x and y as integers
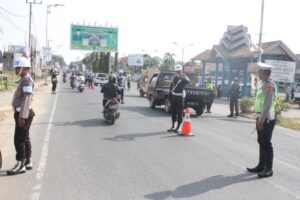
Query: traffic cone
{"type": "Point", "coordinates": [186, 129]}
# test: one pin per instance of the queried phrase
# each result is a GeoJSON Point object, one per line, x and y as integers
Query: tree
{"type": "Point", "coordinates": [58, 59]}
{"type": "Point", "coordinates": [168, 62]}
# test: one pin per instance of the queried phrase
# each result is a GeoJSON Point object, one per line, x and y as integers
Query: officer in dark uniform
{"type": "Point", "coordinates": [265, 103]}
{"type": "Point", "coordinates": [234, 94]}
{"type": "Point", "coordinates": [177, 95]}
{"type": "Point", "coordinates": [54, 80]}
{"type": "Point", "coordinates": [23, 116]}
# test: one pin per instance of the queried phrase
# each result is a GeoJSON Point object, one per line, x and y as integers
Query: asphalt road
{"type": "Point", "coordinates": [76, 156]}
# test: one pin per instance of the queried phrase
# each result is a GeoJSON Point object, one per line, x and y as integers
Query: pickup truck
{"type": "Point", "coordinates": [159, 88]}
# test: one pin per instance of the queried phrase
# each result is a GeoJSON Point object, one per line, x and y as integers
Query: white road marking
{"type": "Point", "coordinates": [36, 190]}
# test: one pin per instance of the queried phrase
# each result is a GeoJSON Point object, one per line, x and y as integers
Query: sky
{"type": "Point", "coordinates": [152, 26]}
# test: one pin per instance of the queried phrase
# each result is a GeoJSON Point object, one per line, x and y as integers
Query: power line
{"type": "Point", "coordinates": [11, 13]}
{"type": "Point", "coordinates": [10, 21]}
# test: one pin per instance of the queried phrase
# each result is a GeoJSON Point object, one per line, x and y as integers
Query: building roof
{"type": "Point", "coordinates": [219, 51]}
{"type": "Point", "coordinates": [205, 55]}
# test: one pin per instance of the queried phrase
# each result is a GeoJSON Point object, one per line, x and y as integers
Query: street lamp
{"type": "Point", "coordinates": [48, 12]}
{"type": "Point", "coordinates": [261, 29]}
{"type": "Point", "coordinates": [182, 49]}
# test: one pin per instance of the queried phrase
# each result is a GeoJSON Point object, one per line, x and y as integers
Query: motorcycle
{"type": "Point", "coordinates": [81, 86]}
{"type": "Point", "coordinates": [111, 111]}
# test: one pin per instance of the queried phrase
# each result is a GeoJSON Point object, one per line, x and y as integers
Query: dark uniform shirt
{"type": "Point", "coordinates": [178, 85]}
{"type": "Point", "coordinates": [23, 96]}
{"type": "Point", "coordinates": [234, 90]}
{"type": "Point", "coordinates": [110, 90]}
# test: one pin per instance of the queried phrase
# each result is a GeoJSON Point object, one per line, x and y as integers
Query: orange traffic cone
{"type": "Point", "coordinates": [186, 129]}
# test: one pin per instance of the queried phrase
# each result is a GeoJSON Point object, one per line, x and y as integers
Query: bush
{"type": "Point", "coordinates": [281, 106]}
{"type": "Point", "coordinates": [246, 105]}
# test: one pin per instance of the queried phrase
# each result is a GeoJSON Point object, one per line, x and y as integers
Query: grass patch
{"type": "Point", "coordinates": [291, 123]}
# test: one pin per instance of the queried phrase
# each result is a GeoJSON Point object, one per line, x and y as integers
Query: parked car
{"type": "Point", "coordinates": [100, 79]}
{"type": "Point", "coordinates": [159, 88]}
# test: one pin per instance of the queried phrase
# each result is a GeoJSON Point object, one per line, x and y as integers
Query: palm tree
{"type": "Point", "coordinates": [168, 61]}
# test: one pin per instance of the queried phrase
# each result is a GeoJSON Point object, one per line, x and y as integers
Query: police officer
{"type": "Point", "coordinates": [211, 86]}
{"type": "Point", "coordinates": [23, 116]}
{"type": "Point", "coordinates": [54, 80]}
{"type": "Point", "coordinates": [121, 83]}
{"type": "Point", "coordinates": [177, 95]}
{"type": "Point", "coordinates": [265, 109]}
{"type": "Point", "coordinates": [234, 94]}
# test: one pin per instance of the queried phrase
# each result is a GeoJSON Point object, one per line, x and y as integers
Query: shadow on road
{"type": "Point", "coordinates": [146, 111]}
{"type": "Point", "coordinates": [133, 136]}
{"type": "Point", "coordinates": [203, 186]}
{"type": "Point", "coordinates": [82, 123]}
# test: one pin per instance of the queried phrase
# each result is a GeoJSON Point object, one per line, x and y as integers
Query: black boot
{"type": "Point", "coordinates": [172, 127]}
{"type": "Point", "coordinates": [17, 169]}
{"type": "Point", "coordinates": [268, 170]}
{"type": "Point", "coordinates": [261, 164]}
{"type": "Point", "coordinates": [231, 113]}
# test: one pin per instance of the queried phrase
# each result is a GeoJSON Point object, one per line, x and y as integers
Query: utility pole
{"type": "Point", "coordinates": [261, 29]}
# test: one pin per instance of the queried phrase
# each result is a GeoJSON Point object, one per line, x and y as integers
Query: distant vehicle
{"type": "Point", "coordinates": [101, 79]}
{"type": "Point", "coordinates": [297, 94]}
{"type": "Point", "coordinates": [159, 88]}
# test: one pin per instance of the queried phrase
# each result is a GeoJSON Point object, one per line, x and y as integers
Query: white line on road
{"type": "Point", "coordinates": [36, 190]}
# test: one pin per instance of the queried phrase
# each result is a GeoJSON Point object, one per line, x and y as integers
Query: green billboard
{"type": "Point", "coordinates": [94, 38]}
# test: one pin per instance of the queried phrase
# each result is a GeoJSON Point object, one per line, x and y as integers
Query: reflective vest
{"type": "Point", "coordinates": [260, 100]}
{"type": "Point", "coordinates": [210, 86]}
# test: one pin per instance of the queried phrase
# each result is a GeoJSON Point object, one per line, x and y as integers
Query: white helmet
{"type": "Point", "coordinates": [178, 68]}
{"type": "Point", "coordinates": [121, 71]}
{"type": "Point", "coordinates": [22, 62]}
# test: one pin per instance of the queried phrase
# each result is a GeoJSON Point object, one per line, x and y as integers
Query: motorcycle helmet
{"type": "Point", "coordinates": [112, 78]}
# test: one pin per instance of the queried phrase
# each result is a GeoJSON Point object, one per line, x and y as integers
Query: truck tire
{"type": "Point", "coordinates": [151, 102]}
{"type": "Point", "coordinates": [0, 160]}
{"type": "Point", "coordinates": [167, 106]}
{"type": "Point", "coordinates": [199, 111]}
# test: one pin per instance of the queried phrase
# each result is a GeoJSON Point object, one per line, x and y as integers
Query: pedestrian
{"type": "Point", "coordinates": [265, 103]}
{"type": "Point", "coordinates": [22, 104]}
{"type": "Point", "coordinates": [211, 86]}
{"type": "Point", "coordinates": [121, 84]}
{"type": "Point", "coordinates": [234, 93]}
{"type": "Point", "coordinates": [54, 80]}
{"type": "Point", "coordinates": [293, 93]}
{"type": "Point", "coordinates": [128, 81]}
{"type": "Point", "coordinates": [177, 95]}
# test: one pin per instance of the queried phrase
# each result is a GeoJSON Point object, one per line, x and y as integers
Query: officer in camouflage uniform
{"type": "Point", "coordinates": [265, 103]}
{"type": "Point", "coordinates": [234, 94]}
{"type": "Point", "coordinates": [23, 115]}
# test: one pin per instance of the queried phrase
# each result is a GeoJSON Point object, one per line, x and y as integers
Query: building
{"type": "Point", "coordinates": [236, 56]}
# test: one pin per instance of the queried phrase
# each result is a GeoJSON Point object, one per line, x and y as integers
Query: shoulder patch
{"type": "Point", "coordinates": [268, 87]}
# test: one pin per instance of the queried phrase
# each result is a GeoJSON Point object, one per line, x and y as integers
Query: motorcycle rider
{"type": "Point", "coordinates": [72, 80]}
{"type": "Point", "coordinates": [110, 90]}
{"type": "Point", "coordinates": [64, 76]}
{"type": "Point", "coordinates": [121, 84]}
{"type": "Point", "coordinates": [177, 95]}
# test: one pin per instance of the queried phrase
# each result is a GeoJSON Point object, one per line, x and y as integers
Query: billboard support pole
{"type": "Point", "coordinates": [109, 63]}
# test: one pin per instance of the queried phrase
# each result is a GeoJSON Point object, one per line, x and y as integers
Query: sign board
{"type": "Point", "coordinates": [282, 71]}
{"type": "Point", "coordinates": [189, 69]}
{"type": "Point", "coordinates": [135, 60]}
{"type": "Point", "coordinates": [94, 38]}
{"type": "Point", "coordinates": [47, 54]}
